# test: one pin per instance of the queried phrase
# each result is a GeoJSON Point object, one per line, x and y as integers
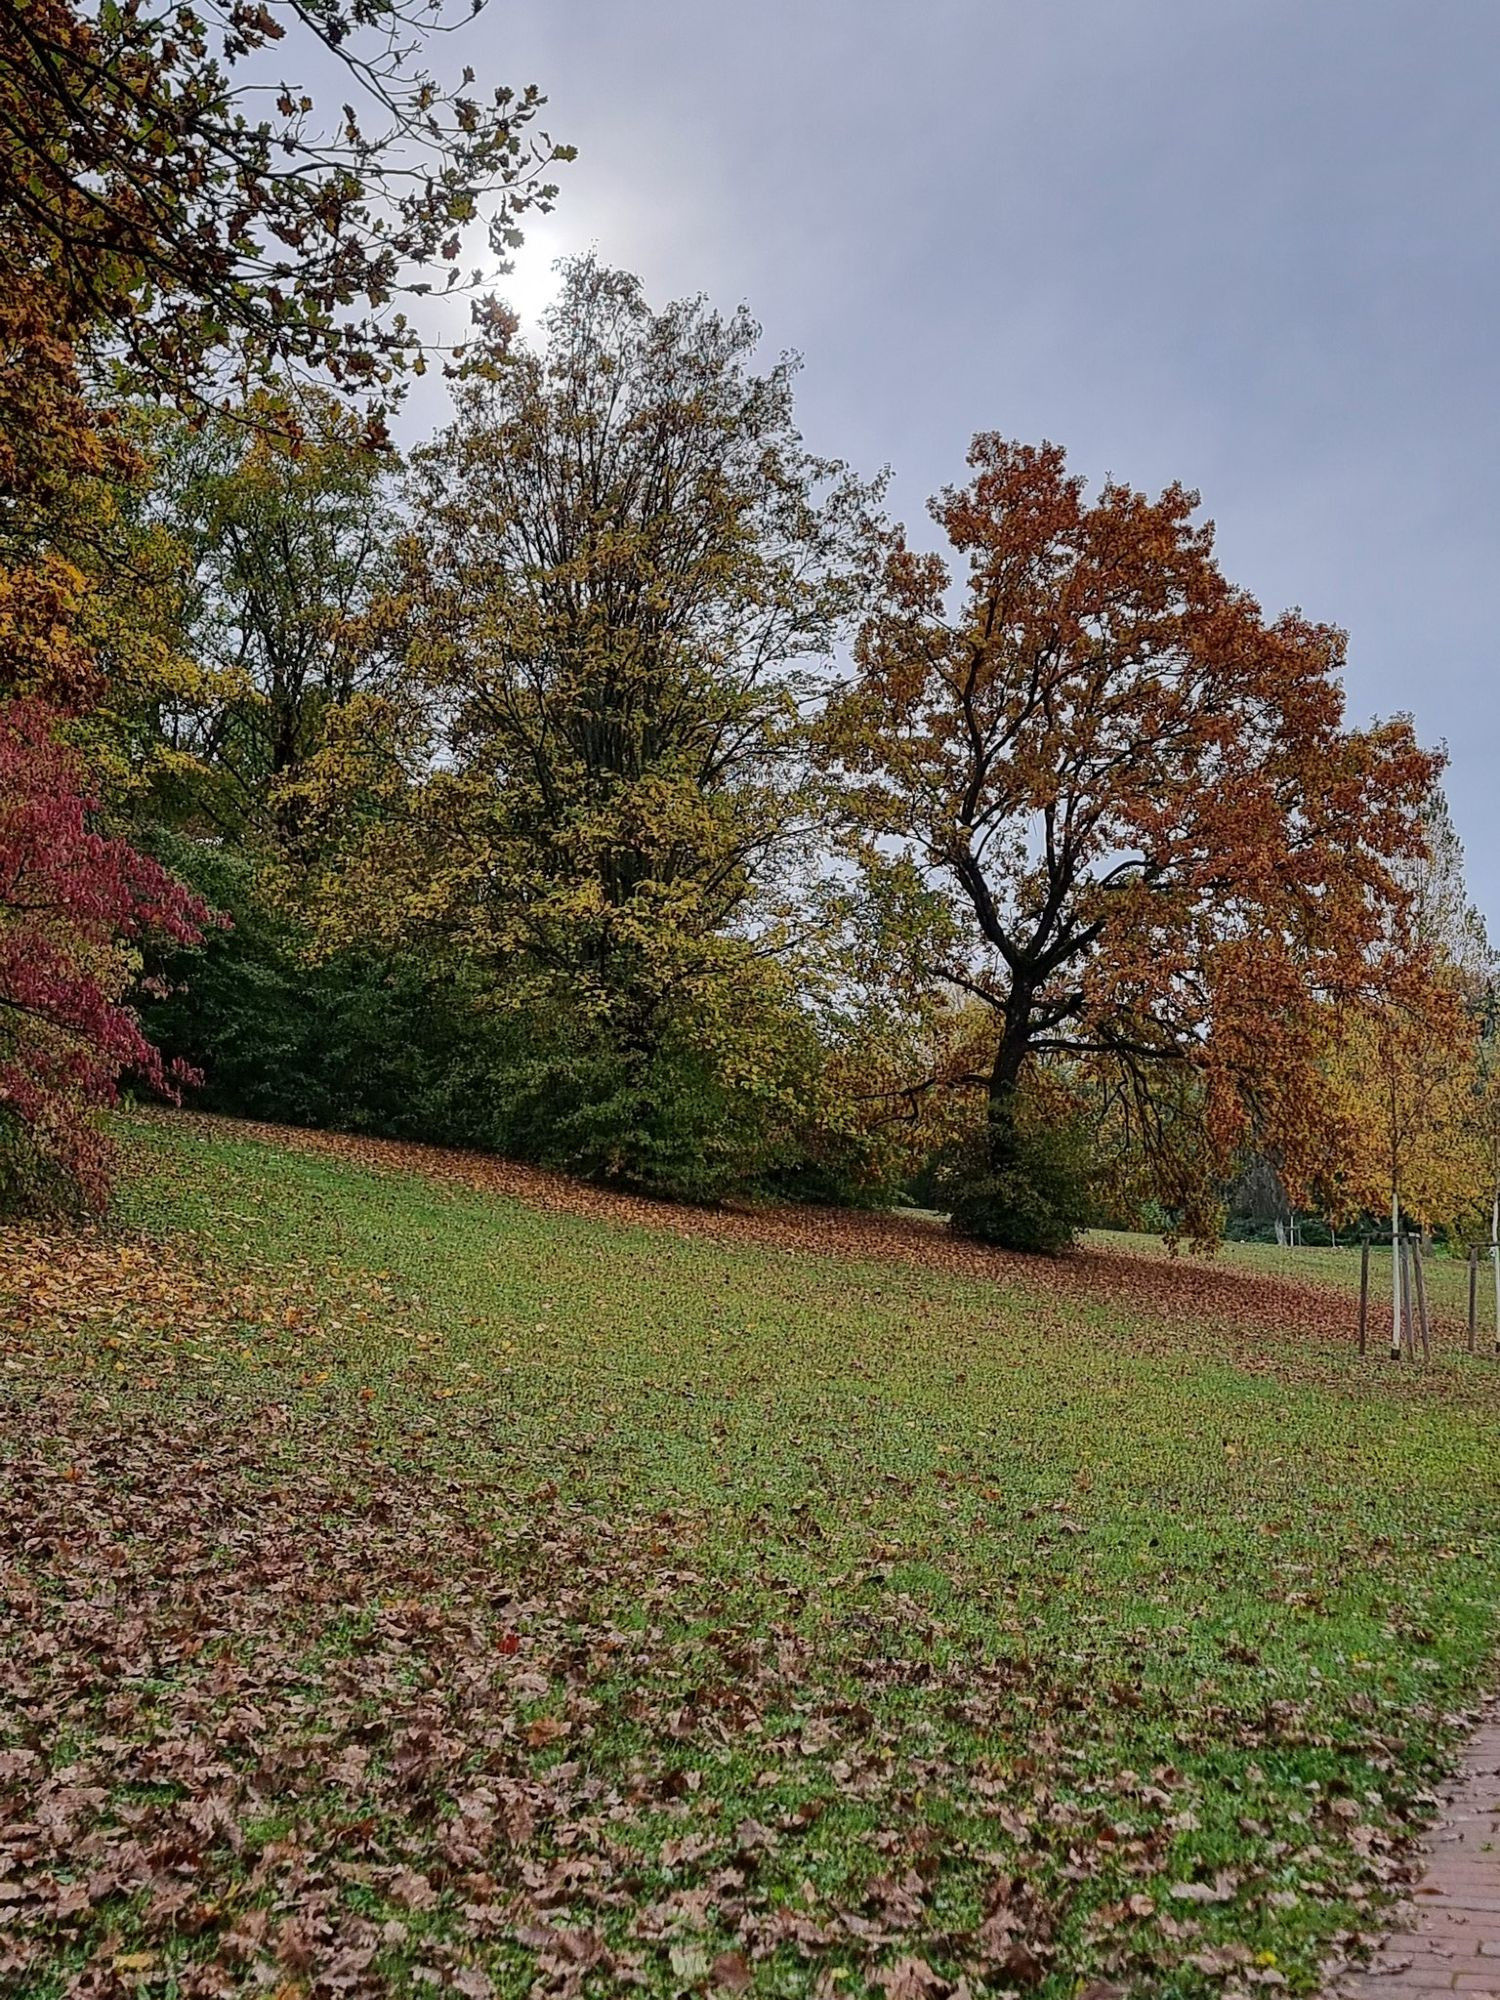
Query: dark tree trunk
{"type": "Point", "coordinates": [1005, 1078]}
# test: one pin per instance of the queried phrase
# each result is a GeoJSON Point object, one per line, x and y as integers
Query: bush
{"type": "Point", "coordinates": [560, 1092]}
{"type": "Point", "coordinates": [353, 1041]}
{"type": "Point", "coordinates": [1037, 1201]}
{"type": "Point", "coordinates": [75, 905]}
{"type": "Point", "coordinates": [730, 1103]}
{"type": "Point", "coordinates": [718, 1108]}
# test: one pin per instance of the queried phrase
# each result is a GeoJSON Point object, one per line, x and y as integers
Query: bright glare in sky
{"type": "Point", "coordinates": [532, 286]}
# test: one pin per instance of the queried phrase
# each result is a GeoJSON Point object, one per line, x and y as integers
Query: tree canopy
{"type": "Point", "coordinates": [164, 234]}
{"type": "Point", "coordinates": [160, 203]}
{"type": "Point", "coordinates": [625, 579]}
{"type": "Point", "coordinates": [609, 781]}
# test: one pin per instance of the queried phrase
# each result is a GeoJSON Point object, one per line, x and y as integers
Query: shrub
{"type": "Point", "coordinates": [1039, 1200]}
{"type": "Point", "coordinates": [716, 1108]}
{"type": "Point", "coordinates": [741, 1100]}
{"type": "Point", "coordinates": [75, 905]}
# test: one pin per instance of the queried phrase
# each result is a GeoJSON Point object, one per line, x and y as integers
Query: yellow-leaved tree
{"type": "Point", "coordinates": [624, 593]}
{"type": "Point", "coordinates": [1413, 1105]}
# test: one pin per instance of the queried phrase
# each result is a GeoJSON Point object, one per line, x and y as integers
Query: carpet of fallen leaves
{"type": "Point", "coordinates": [368, 1631]}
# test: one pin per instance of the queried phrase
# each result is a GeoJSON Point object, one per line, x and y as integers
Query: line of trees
{"type": "Point", "coordinates": [610, 782]}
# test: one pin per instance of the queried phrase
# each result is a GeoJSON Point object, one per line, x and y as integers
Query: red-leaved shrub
{"type": "Point", "coordinates": [74, 904]}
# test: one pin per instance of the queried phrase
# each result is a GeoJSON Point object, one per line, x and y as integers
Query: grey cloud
{"type": "Point", "coordinates": [1245, 243]}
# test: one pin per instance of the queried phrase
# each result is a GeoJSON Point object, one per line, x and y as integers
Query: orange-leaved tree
{"type": "Point", "coordinates": [1164, 853]}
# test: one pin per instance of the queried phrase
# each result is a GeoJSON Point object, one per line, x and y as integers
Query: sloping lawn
{"type": "Point", "coordinates": [410, 1592]}
{"type": "Point", "coordinates": [1446, 1275]}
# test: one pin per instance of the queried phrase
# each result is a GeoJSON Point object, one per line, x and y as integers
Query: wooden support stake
{"type": "Point", "coordinates": [1364, 1292]}
{"type": "Point", "coordinates": [1417, 1264]}
{"type": "Point", "coordinates": [1398, 1315]}
{"type": "Point", "coordinates": [1408, 1299]}
{"type": "Point", "coordinates": [1473, 1294]}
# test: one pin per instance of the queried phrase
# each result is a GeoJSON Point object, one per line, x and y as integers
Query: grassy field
{"type": "Point", "coordinates": [409, 1592]}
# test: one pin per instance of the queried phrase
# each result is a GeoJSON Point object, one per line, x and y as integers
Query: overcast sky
{"type": "Point", "coordinates": [1250, 244]}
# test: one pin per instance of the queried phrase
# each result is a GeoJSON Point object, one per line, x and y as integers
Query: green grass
{"type": "Point", "coordinates": [866, 1614]}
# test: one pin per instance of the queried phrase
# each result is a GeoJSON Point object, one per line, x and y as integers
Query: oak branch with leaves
{"type": "Point", "coordinates": [177, 208]}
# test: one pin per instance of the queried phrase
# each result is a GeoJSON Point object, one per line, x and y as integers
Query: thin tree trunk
{"type": "Point", "coordinates": [1473, 1294]}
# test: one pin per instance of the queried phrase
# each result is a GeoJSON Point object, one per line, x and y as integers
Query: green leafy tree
{"type": "Point", "coordinates": [286, 532]}
{"type": "Point", "coordinates": [627, 579]}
